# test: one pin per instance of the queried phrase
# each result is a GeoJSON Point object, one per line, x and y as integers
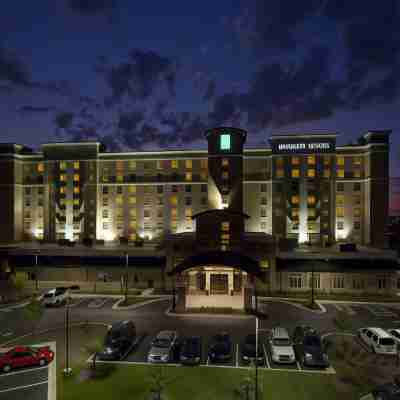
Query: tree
{"type": "Point", "coordinates": [247, 386]}
{"type": "Point", "coordinates": [158, 382]}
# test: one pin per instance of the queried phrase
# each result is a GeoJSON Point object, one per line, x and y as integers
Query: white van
{"type": "Point", "coordinates": [378, 340]}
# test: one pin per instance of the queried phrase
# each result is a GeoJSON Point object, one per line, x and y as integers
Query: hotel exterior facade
{"type": "Point", "coordinates": [301, 189]}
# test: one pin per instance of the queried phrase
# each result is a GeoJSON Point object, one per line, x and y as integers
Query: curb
{"type": "Point", "coordinates": [322, 309]}
{"type": "Point", "coordinates": [324, 301]}
{"type": "Point", "coordinates": [168, 313]}
{"type": "Point", "coordinates": [116, 306]}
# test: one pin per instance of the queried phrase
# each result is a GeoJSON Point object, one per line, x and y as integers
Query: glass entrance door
{"type": "Point", "coordinates": [219, 284]}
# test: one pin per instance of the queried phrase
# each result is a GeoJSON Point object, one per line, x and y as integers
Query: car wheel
{"type": "Point", "coordinates": [379, 396]}
{"type": "Point", "coordinates": [42, 362]}
{"type": "Point", "coordinates": [6, 368]}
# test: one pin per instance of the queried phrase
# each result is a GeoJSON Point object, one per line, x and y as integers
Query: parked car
{"type": "Point", "coordinates": [220, 348]}
{"type": "Point", "coordinates": [120, 338]}
{"type": "Point", "coordinates": [395, 333]}
{"type": "Point", "coordinates": [55, 297]}
{"type": "Point", "coordinates": [308, 347]}
{"type": "Point", "coordinates": [23, 356]}
{"type": "Point", "coordinates": [378, 340]}
{"type": "Point", "coordinates": [162, 347]}
{"type": "Point", "coordinates": [386, 391]}
{"type": "Point", "coordinates": [190, 352]}
{"type": "Point", "coordinates": [249, 350]}
{"type": "Point", "coordinates": [281, 346]}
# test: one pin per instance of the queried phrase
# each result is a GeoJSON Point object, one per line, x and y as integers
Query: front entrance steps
{"type": "Point", "coordinates": [215, 301]}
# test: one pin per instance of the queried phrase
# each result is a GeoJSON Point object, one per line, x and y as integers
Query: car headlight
{"type": "Point", "coordinates": [183, 358]}
{"type": "Point", "coordinates": [164, 358]}
{"type": "Point", "coordinates": [108, 350]}
{"type": "Point", "coordinates": [308, 355]}
{"type": "Point", "coordinates": [245, 358]}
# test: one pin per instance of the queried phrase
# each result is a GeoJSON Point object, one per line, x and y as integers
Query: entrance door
{"type": "Point", "coordinates": [219, 283]}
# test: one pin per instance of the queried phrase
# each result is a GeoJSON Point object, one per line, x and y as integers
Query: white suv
{"type": "Point", "coordinates": [378, 340]}
{"type": "Point", "coordinates": [282, 350]}
{"type": "Point", "coordinates": [55, 297]}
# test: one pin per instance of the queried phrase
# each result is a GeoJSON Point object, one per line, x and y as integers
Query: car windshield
{"type": "Point", "coordinates": [48, 295]}
{"type": "Point", "coordinates": [312, 341]}
{"type": "Point", "coordinates": [386, 342]}
{"type": "Point", "coordinates": [281, 342]}
{"type": "Point", "coordinates": [161, 343]}
{"type": "Point", "coordinates": [191, 345]}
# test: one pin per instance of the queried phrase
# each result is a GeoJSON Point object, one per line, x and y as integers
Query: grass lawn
{"type": "Point", "coordinates": [133, 382]}
{"type": "Point", "coordinates": [134, 300]}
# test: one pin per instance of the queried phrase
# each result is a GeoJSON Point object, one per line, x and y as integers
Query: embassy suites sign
{"type": "Point", "coordinates": [303, 146]}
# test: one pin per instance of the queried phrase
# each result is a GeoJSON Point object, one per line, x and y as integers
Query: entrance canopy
{"type": "Point", "coordinates": [223, 258]}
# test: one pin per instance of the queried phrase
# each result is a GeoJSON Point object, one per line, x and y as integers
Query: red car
{"type": "Point", "coordinates": [23, 356]}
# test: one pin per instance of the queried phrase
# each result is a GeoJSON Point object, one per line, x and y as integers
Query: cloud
{"type": "Point", "coordinates": [140, 77]}
{"type": "Point", "coordinates": [63, 120]}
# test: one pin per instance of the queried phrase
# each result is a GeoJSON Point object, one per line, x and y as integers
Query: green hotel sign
{"type": "Point", "coordinates": [225, 141]}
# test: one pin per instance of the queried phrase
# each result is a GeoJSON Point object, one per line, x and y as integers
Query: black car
{"type": "Point", "coordinates": [220, 348]}
{"type": "Point", "coordinates": [386, 391]}
{"type": "Point", "coordinates": [120, 338]}
{"type": "Point", "coordinates": [190, 350]}
{"type": "Point", "coordinates": [249, 350]}
{"type": "Point", "coordinates": [309, 348]}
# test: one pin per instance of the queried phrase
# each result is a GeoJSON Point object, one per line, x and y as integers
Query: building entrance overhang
{"type": "Point", "coordinates": [222, 258]}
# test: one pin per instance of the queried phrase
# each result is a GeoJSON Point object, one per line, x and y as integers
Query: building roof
{"type": "Point", "coordinates": [225, 258]}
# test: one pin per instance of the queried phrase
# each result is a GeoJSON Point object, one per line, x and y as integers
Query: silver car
{"type": "Point", "coordinates": [162, 347]}
{"type": "Point", "coordinates": [55, 297]}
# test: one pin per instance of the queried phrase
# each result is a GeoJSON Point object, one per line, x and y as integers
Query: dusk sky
{"type": "Point", "coordinates": [154, 74]}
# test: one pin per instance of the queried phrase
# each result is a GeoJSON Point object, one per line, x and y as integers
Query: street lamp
{"type": "Point", "coordinates": [36, 270]}
{"type": "Point", "coordinates": [126, 276]}
{"type": "Point", "coordinates": [68, 370]}
{"type": "Point", "coordinates": [256, 392]}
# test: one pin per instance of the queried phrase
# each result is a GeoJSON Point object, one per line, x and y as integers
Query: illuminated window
{"type": "Point", "coordinates": [132, 236]}
{"type": "Point", "coordinates": [311, 199]}
{"type": "Point", "coordinates": [63, 165]}
{"type": "Point", "coordinates": [119, 200]}
{"type": "Point", "coordinates": [295, 160]}
{"type": "Point", "coordinates": [340, 160]}
{"type": "Point", "coordinates": [356, 173]}
{"type": "Point", "coordinates": [40, 167]}
{"type": "Point", "coordinates": [120, 178]}
{"type": "Point", "coordinates": [224, 200]}
{"type": "Point", "coordinates": [119, 212]}
{"type": "Point", "coordinates": [159, 164]}
{"type": "Point", "coordinates": [76, 177]}
{"type": "Point", "coordinates": [357, 186]}
{"type": "Point", "coordinates": [132, 189]}
{"type": "Point", "coordinates": [188, 214]}
{"type": "Point", "coordinates": [77, 189]}
{"type": "Point", "coordinates": [76, 164]}
{"type": "Point", "coordinates": [146, 213]}
{"type": "Point", "coordinates": [105, 177]}
{"type": "Point", "coordinates": [295, 199]}
{"type": "Point", "coordinates": [225, 175]}
{"type": "Point", "coordinates": [340, 211]}
{"type": "Point", "coordinates": [263, 187]}
{"type": "Point", "coordinates": [76, 202]}
{"type": "Point", "coordinates": [62, 189]}
{"type": "Point", "coordinates": [188, 176]}
{"type": "Point", "coordinates": [225, 142]}
{"type": "Point", "coordinates": [263, 212]}
{"type": "Point", "coordinates": [357, 160]}
{"type": "Point", "coordinates": [339, 199]}
{"type": "Point", "coordinates": [311, 160]}
{"type": "Point", "coordinates": [340, 187]}
{"type": "Point", "coordinates": [223, 248]}
{"type": "Point", "coordinates": [357, 212]}
{"type": "Point", "coordinates": [340, 225]}
{"type": "Point", "coordinates": [132, 165]}
{"type": "Point", "coordinates": [357, 225]}
{"type": "Point", "coordinates": [357, 199]}
{"type": "Point", "coordinates": [203, 175]}
{"type": "Point", "coordinates": [203, 164]}
{"type": "Point", "coordinates": [119, 165]}
{"type": "Point", "coordinates": [327, 160]}
{"type": "Point", "coordinates": [295, 173]}
{"type": "Point", "coordinates": [174, 163]}
{"type": "Point", "coordinates": [280, 173]}
{"type": "Point", "coordinates": [225, 236]}
{"type": "Point", "coordinates": [225, 226]}
{"type": "Point", "coordinates": [280, 162]}
{"type": "Point", "coordinates": [174, 201]}
{"type": "Point", "coordinates": [63, 177]}
{"type": "Point", "coordinates": [327, 173]}
{"type": "Point", "coordinates": [225, 162]}
{"type": "Point", "coordinates": [311, 173]}
{"type": "Point", "coordinates": [188, 164]}
{"type": "Point", "coordinates": [311, 226]}
{"type": "Point", "coordinates": [340, 173]}
{"type": "Point", "coordinates": [295, 213]}
{"type": "Point", "coordinates": [132, 199]}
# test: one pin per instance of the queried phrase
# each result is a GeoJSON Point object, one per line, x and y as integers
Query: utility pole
{"type": "Point", "coordinates": [126, 276]}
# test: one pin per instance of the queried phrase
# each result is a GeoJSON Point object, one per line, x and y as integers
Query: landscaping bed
{"type": "Point", "coordinates": [215, 310]}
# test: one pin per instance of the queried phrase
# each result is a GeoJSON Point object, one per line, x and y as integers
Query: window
{"type": "Point", "coordinates": [295, 160]}
{"type": "Point", "coordinates": [204, 188]}
{"type": "Point", "coordinates": [357, 186]}
{"type": "Point", "coordinates": [358, 283]}
{"type": "Point", "coordinates": [280, 162]}
{"type": "Point", "coordinates": [356, 173]}
{"type": "Point", "coordinates": [295, 213]}
{"type": "Point", "coordinates": [357, 225]}
{"type": "Point", "coordinates": [120, 177]}
{"type": "Point", "coordinates": [188, 214]}
{"type": "Point", "coordinates": [327, 173]}
{"type": "Point", "coordinates": [148, 189]}
{"type": "Point", "coordinates": [188, 176]}
{"type": "Point", "coordinates": [160, 201]}
{"type": "Point", "coordinates": [225, 142]}
{"type": "Point", "coordinates": [77, 189]}
{"type": "Point", "coordinates": [147, 201]}
{"type": "Point", "coordinates": [174, 213]}
{"type": "Point", "coordinates": [225, 162]}
{"type": "Point", "coordinates": [119, 200]}
{"type": "Point", "coordinates": [63, 165]}
{"type": "Point", "coordinates": [105, 213]}
{"type": "Point", "coordinates": [203, 164]}
{"type": "Point", "coordinates": [340, 187]}
{"type": "Point", "coordinates": [188, 164]}
{"type": "Point", "coordinates": [311, 226]}
{"type": "Point", "coordinates": [311, 160]}
{"type": "Point", "coordinates": [105, 226]}
{"type": "Point", "coordinates": [159, 164]}
{"type": "Point", "coordinates": [160, 189]}
{"type": "Point", "coordinates": [338, 282]}
{"type": "Point", "coordinates": [174, 164]}
{"type": "Point", "coordinates": [76, 164]}
{"type": "Point", "coordinates": [224, 199]}
{"type": "Point", "coordinates": [357, 160]}
{"type": "Point", "coordinates": [203, 201]}
{"type": "Point", "coordinates": [295, 199]}
{"type": "Point", "coordinates": [340, 211]}
{"type": "Point", "coordinates": [76, 202]}
{"type": "Point", "coordinates": [225, 226]}
{"type": "Point", "coordinates": [340, 225]}
{"type": "Point", "coordinates": [357, 211]}
{"type": "Point", "coordinates": [263, 226]}
{"type": "Point", "coordinates": [105, 201]}
{"type": "Point", "coordinates": [62, 189]}
{"type": "Point", "coordinates": [76, 177]}
{"type": "Point", "coordinates": [225, 175]}
{"type": "Point", "coordinates": [40, 167]}
{"type": "Point", "coordinates": [311, 199]}
{"type": "Point", "coordinates": [28, 191]}
{"type": "Point", "coordinates": [295, 173]}
{"type": "Point", "coordinates": [340, 173]}
{"type": "Point", "coordinates": [339, 199]}
{"type": "Point", "coordinates": [317, 281]}
{"type": "Point", "coordinates": [264, 201]}
{"type": "Point", "coordinates": [132, 165]}
{"type": "Point", "coordinates": [188, 188]}
{"type": "Point", "coordinates": [159, 213]}
{"type": "Point", "coordinates": [174, 188]}
{"type": "Point", "coordinates": [174, 201]}
{"type": "Point", "coordinates": [188, 201]}
{"type": "Point", "coordinates": [295, 281]}
{"type": "Point", "coordinates": [63, 177]}
{"type": "Point", "coordinates": [203, 175]}
{"type": "Point", "coordinates": [132, 200]}
{"type": "Point", "coordinates": [132, 212]}
{"type": "Point", "coordinates": [327, 160]}
{"type": "Point", "coordinates": [381, 283]}
{"type": "Point", "coordinates": [312, 212]}
{"type": "Point", "coordinates": [263, 212]}
{"type": "Point", "coordinates": [146, 213]}
{"type": "Point", "coordinates": [280, 173]}
{"type": "Point", "coordinates": [340, 160]}
{"type": "Point", "coordinates": [311, 173]}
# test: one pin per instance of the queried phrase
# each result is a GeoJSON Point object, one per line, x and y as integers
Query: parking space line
{"type": "Point", "coordinates": [266, 356]}
{"type": "Point", "coordinates": [237, 354]}
{"type": "Point", "coordinates": [23, 387]}
{"type": "Point", "coordinates": [339, 308]}
{"type": "Point", "coordinates": [23, 371]}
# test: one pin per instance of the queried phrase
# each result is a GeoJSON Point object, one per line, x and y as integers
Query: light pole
{"type": "Point", "coordinates": [312, 285]}
{"type": "Point", "coordinates": [68, 370]}
{"type": "Point", "coordinates": [126, 276]}
{"type": "Point", "coordinates": [36, 270]}
{"type": "Point", "coordinates": [256, 390]}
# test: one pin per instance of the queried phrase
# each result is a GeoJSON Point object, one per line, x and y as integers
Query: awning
{"type": "Point", "coordinates": [337, 265]}
{"type": "Point", "coordinates": [223, 258]}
